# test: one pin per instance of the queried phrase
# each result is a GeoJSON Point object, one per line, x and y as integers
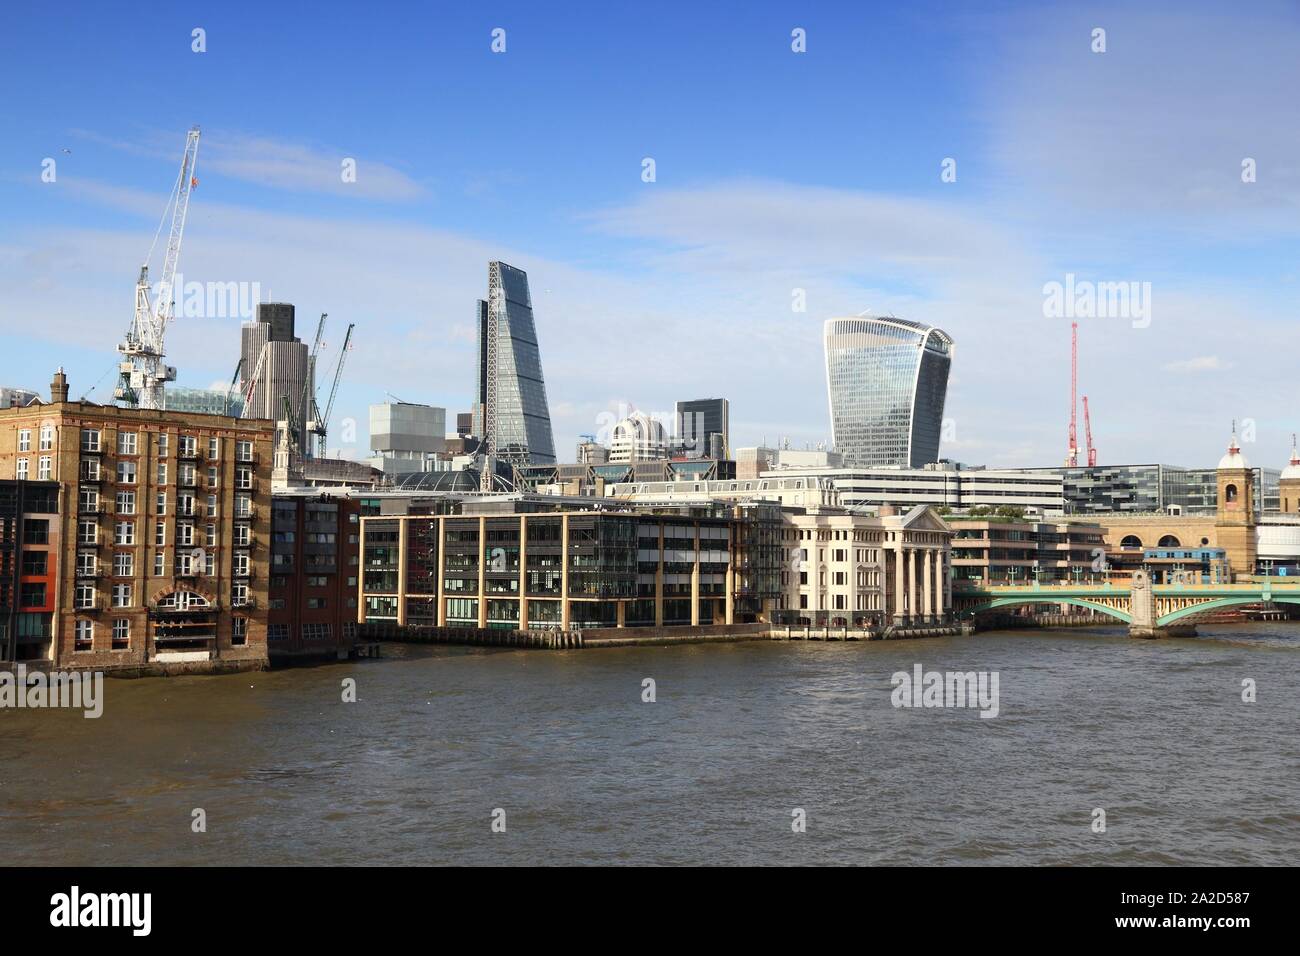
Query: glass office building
{"type": "Point", "coordinates": [887, 379]}
{"type": "Point", "coordinates": [522, 425]}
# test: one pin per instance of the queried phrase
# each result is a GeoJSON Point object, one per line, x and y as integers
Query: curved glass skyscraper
{"type": "Point", "coordinates": [887, 379]}
{"type": "Point", "coordinates": [511, 414]}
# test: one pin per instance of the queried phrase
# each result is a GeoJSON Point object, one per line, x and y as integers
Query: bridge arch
{"type": "Point", "coordinates": [1183, 613]}
{"type": "Point", "coordinates": [1122, 616]}
{"type": "Point", "coordinates": [1169, 541]}
{"type": "Point", "coordinates": [1130, 541]}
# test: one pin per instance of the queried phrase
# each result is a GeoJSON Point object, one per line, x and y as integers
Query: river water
{"type": "Point", "coordinates": [1155, 733]}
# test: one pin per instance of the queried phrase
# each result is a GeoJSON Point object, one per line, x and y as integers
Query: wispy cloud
{"type": "Point", "coordinates": [1202, 363]}
{"type": "Point", "coordinates": [277, 164]}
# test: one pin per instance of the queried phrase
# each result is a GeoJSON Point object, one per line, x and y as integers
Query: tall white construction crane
{"type": "Point", "coordinates": [142, 373]}
{"type": "Point", "coordinates": [320, 425]}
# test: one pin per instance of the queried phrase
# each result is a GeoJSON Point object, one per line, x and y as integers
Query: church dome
{"type": "Point", "coordinates": [1234, 457]}
{"type": "Point", "coordinates": [1292, 470]}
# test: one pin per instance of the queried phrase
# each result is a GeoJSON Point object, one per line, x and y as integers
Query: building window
{"type": "Point", "coordinates": [243, 536]}
{"type": "Point", "coordinates": [239, 595]}
{"type": "Point", "coordinates": [121, 634]}
{"type": "Point", "coordinates": [121, 595]}
{"type": "Point", "coordinates": [126, 443]}
{"type": "Point", "coordinates": [47, 437]}
{"type": "Point", "coordinates": [123, 564]}
{"type": "Point", "coordinates": [36, 531]}
{"type": "Point", "coordinates": [160, 504]}
{"type": "Point", "coordinates": [25, 440]}
{"type": "Point", "coordinates": [43, 468]}
{"type": "Point", "coordinates": [316, 603]}
{"type": "Point", "coordinates": [241, 565]}
{"type": "Point", "coordinates": [36, 563]}
{"type": "Point", "coordinates": [85, 635]}
{"type": "Point", "coordinates": [243, 506]}
{"type": "Point", "coordinates": [124, 533]}
{"type": "Point", "coordinates": [159, 563]}
{"type": "Point", "coordinates": [32, 594]}
{"type": "Point", "coordinates": [185, 535]}
{"type": "Point", "coordinates": [209, 563]}
{"type": "Point", "coordinates": [212, 506]}
{"type": "Point", "coordinates": [86, 563]}
{"type": "Point", "coordinates": [243, 451]}
{"type": "Point", "coordinates": [244, 478]}
{"type": "Point", "coordinates": [90, 439]}
{"type": "Point", "coordinates": [277, 632]}
{"type": "Point", "coordinates": [162, 444]}
{"type": "Point", "coordinates": [21, 469]}
{"type": "Point", "coordinates": [126, 502]}
{"type": "Point", "coordinates": [214, 477]}
{"type": "Point", "coordinates": [187, 447]}
{"type": "Point", "coordinates": [162, 472]}
{"type": "Point", "coordinates": [214, 449]}
{"type": "Point", "coordinates": [239, 631]}
{"type": "Point", "coordinates": [126, 472]}
{"type": "Point", "coordinates": [87, 531]}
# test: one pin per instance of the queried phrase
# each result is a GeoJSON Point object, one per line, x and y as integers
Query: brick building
{"type": "Point", "coordinates": [312, 594]}
{"type": "Point", "coordinates": [163, 531]}
{"type": "Point", "coordinates": [29, 568]}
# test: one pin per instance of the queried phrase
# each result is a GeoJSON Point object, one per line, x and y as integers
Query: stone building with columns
{"type": "Point", "coordinates": [861, 570]}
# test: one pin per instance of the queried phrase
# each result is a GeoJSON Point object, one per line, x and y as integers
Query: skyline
{"type": "Point", "coordinates": [650, 293]}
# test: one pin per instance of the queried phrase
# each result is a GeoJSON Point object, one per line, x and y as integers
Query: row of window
{"type": "Point", "coordinates": [86, 596]}
{"type": "Point", "coordinates": [84, 634]}
{"type": "Point", "coordinates": [186, 504]}
{"type": "Point", "coordinates": [124, 564]}
{"type": "Point", "coordinates": [128, 444]}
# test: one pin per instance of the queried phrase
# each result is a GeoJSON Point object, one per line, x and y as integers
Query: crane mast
{"type": "Point", "coordinates": [142, 374]}
{"type": "Point", "coordinates": [1072, 455]}
{"type": "Point", "coordinates": [323, 423]}
{"type": "Point", "coordinates": [1087, 431]}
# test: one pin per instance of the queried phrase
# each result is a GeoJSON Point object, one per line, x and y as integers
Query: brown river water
{"type": "Point", "coordinates": [1155, 733]}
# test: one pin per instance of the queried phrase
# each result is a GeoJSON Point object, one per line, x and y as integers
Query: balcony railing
{"type": "Point", "coordinates": [247, 602]}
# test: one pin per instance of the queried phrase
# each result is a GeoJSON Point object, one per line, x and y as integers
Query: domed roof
{"type": "Point", "coordinates": [1292, 470]}
{"type": "Point", "coordinates": [1234, 457]}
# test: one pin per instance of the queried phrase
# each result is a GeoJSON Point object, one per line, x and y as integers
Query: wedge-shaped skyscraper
{"type": "Point", "coordinates": [887, 380]}
{"type": "Point", "coordinates": [511, 415]}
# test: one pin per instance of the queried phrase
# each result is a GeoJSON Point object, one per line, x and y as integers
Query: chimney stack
{"type": "Point", "coordinates": [59, 387]}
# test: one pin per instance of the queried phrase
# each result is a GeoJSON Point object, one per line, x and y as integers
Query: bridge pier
{"type": "Point", "coordinates": [1143, 603]}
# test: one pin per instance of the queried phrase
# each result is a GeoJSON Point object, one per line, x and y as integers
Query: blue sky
{"type": "Point", "coordinates": [774, 171]}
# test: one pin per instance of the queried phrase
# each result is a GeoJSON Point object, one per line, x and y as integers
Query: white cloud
{"type": "Point", "coordinates": [1202, 363]}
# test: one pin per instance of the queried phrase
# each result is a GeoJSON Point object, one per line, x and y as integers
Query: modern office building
{"type": "Point", "coordinates": [638, 437]}
{"type": "Point", "coordinates": [887, 379]}
{"type": "Point", "coordinates": [704, 428]}
{"type": "Point", "coordinates": [404, 436]}
{"type": "Point", "coordinates": [282, 365]}
{"type": "Point", "coordinates": [1147, 488]}
{"type": "Point", "coordinates": [16, 397]}
{"type": "Point", "coordinates": [752, 462]}
{"type": "Point", "coordinates": [942, 485]}
{"type": "Point", "coordinates": [596, 479]}
{"type": "Point", "coordinates": [591, 452]}
{"type": "Point", "coordinates": [511, 413]}
{"type": "Point", "coordinates": [162, 531]}
{"type": "Point", "coordinates": [29, 568]}
{"type": "Point", "coordinates": [988, 551]}
{"type": "Point", "coordinates": [664, 565]}
{"type": "Point", "coordinates": [208, 401]}
{"type": "Point", "coordinates": [315, 565]}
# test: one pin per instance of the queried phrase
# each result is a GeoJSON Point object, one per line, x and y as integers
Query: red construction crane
{"type": "Point", "coordinates": [1087, 431]}
{"type": "Point", "coordinates": [1072, 454]}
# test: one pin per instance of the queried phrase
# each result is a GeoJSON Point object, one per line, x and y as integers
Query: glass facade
{"type": "Point", "coordinates": [887, 379]}
{"type": "Point", "coordinates": [523, 418]}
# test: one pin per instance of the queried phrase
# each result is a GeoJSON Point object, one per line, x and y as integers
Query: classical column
{"type": "Point", "coordinates": [927, 603]}
{"type": "Point", "coordinates": [913, 589]}
{"type": "Point", "coordinates": [898, 581]}
{"type": "Point", "coordinates": [937, 609]}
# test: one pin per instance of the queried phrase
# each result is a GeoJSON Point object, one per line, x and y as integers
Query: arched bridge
{"type": "Point", "coordinates": [1171, 605]}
